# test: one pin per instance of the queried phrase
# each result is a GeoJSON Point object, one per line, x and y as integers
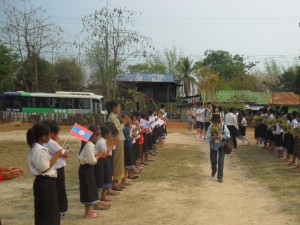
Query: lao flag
{"type": "Point", "coordinates": [81, 132]}
{"type": "Point", "coordinates": [144, 123]}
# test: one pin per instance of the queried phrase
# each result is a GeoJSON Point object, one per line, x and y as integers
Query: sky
{"type": "Point", "coordinates": [256, 29]}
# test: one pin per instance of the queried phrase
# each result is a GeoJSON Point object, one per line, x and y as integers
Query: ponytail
{"type": "Point", "coordinates": [36, 132]}
{"type": "Point", "coordinates": [30, 137]}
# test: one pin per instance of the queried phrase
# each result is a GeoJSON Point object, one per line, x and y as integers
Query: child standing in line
{"type": "Point", "coordinates": [278, 138]}
{"type": "Point", "coordinates": [128, 156]}
{"type": "Point", "coordinates": [41, 165]}
{"type": "Point", "coordinates": [112, 142]}
{"type": "Point", "coordinates": [243, 127]}
{"type": "Point", "coordinates": [87, 182]}
{"type": "Point", "coordinates": [102, 169]}
{"type": "Point", "coordinates": [59, 165]}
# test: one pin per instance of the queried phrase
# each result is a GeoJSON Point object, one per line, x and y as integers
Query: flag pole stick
{"type": "Point", "coordinates": [66, 140]}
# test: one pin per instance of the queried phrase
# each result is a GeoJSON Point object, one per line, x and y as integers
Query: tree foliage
{"type": "Point", "coordinates": [28, 33]}
{"type": "Point", "coordinates": [69, 75]}
{"type": "Point", "coordinates": [111, 30]}
{"type": "Point", "coordinates": [185, 68]}
{"type": "Point", "coordinates": [7, 64]}
{"type": "Point", "coordinates": [228, 66]}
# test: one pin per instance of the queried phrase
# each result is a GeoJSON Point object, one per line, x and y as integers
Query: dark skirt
{"type": "Point", "coordinates": [87, 185]}
{"type": "Point", "coordinates": [61, 190]}
{"type": "Point", "coordinates": [107, 175]}
{"type": "Point", "coordinates": [243, 131]}
{"type": "Point", "coordinates": [150, 142]}
{"type": "Point", "coordinates": [99, 171]}
{"type": "Point", "coordinates": [278, 139]}
{"type": "Point", "coordinates": [46, 209]}
{"type": "Point", "coordinates": [269, 135]}
{"type": "Point", "coordinates": [256, 132]}
{"type": "Point", "coordinates": [128, 156]}
{"type": "Point", "coordinates": [263, 129]}
{"type": "Point", "coordinates": [145, 144]}
{"type": "Point", "coordinates": [290, 144]}
{"type": "Point", "coordinates": [135, 151]}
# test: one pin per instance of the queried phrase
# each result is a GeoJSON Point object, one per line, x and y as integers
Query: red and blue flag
{"type": "Point", "coordinates": [81, 132]}
{"type": "Point", "coordinates": [144, 123]}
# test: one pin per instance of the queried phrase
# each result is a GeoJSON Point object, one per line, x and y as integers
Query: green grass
{"type": "Point", "coordinates": [271, 172]}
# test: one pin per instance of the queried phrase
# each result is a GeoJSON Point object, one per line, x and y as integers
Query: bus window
{"type": "Point", "coordinates": [26, 101]}
{"type": "Point", "coordinates": [86, 103]}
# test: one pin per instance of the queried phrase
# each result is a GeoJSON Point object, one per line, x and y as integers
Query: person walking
{"type": "Point", "coordinates": [216, 135]}
{"type": "Point", "coordinates": [200, 120]}
{"type": "Point", "coordinates": [231, 123]}
{"type": "Point", "coordinates": [190, 118]}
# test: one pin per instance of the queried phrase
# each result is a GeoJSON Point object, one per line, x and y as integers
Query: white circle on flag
{"type": "Point", "coordinates": [81, 132]}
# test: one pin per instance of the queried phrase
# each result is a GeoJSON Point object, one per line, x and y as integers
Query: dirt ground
{"type": "Point", "coordinates": [240, 200]}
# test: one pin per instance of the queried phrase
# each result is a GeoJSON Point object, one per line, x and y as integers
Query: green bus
{"type": "Point", "coordinates": [58, 102]}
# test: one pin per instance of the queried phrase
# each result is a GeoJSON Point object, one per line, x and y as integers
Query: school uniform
{"type": "Point", "coordinates": [103, 172]}
{"type": "Point", "coordinates": [46, 209]}
{"type": "Point", "coordinates": [87, 182]}
{"type": "Point", "coordinates": [128, 157]}
{"type": "Point", "coordinates": [278, 138]}
{"type": "Point", "coordinates": [59, 165]}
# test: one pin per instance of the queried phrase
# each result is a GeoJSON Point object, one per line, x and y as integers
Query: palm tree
{"type": "Point", "coordinates": [185, 67]}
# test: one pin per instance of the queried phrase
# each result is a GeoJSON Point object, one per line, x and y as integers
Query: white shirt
{"type": "Point", "coordinates": [230, 120]}
{"type": "Point", "coordinates": [39, 161]}
{"type": "Point", "coordinates": [244, 122]}
{"type": "Point", "coordinates": [207, 115]}
{"type": "Point", "coordinates": [200, 114]}
{"type": "Point", "coordinates": [87, 154]}
{"type": "Point", "coordinates": [294, 123]}
{"type": "Point", "coordinates": [53, 147]}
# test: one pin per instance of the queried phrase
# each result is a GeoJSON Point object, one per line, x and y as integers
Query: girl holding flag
{"type": "Point", "coordinates": [41, 165]}
{"type": "Point", "coordinates": [87, 182]}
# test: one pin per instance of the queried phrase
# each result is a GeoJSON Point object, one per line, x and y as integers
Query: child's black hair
{"type": "Point", "coordinates": [95, 129]}
{"type": "Point", "coordinates": [114, 130]}
{"type": "Point", "coordinates": [36, 132]}
{"type": "Point", "coordinates": [53, 125]}
{"type": "Point", "coordinates": [105, 130]}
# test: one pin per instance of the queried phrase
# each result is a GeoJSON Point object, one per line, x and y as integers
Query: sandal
{"type": "Point", "coordinates": [92, 215]}
{"type": "Point", "coordinates": [132, 177]}
{"type": "Point", "coordinates": [101, 207]}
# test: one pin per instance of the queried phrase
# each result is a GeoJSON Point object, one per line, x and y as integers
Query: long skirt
{"type": "Point", "coordinates": [107, 176]}
{"type": "Point", "coordinates": [118, 163]}
{"type": "Point", "coordinates": [99, 171]}
{"type": "Point", "coordinates": [46, 209]}
{"type": "Point", "coordinates": [87, 185]}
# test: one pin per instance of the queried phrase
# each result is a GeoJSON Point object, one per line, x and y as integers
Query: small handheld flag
{"type": "Point", "coordinates": [144, 123]}
{"type": "Point", "coordinates": [81, 132]}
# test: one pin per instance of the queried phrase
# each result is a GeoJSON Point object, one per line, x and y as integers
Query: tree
{"type": "Point", "coordinates": [110, 30]}
{"type": "Point", "coordinates": [185, 68]}
{"type": "Point", "coordinates": [7, 64]}
{"type": "Point", "coordinates": [290, 80]}
{"type": "Point", "coordinates": [69, 75]}
{"type": "Point", "coordinates": [208, 84]}
{"type": "Point", "coordinates": [28, 33]}
{"type": "Point", "coordinates": [226, 65]}
{"type": "Point", "coordinates": [272, 75]}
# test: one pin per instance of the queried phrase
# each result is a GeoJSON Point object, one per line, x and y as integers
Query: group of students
{"type": "Point", "coordinates": [236, 121]}
{"type": "Point", "coordinates": [116, 152]}
{"type": "Point", "coordinates": [279, 134]}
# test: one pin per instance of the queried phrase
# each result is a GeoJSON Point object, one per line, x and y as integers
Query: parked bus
{"type": "Point", "coordinates": [59, 102]}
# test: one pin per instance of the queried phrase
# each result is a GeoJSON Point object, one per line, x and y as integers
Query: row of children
{"type": "Point", "coordinates": [97, 159]}
{"type": "Point", "coordinates": [279, 134]}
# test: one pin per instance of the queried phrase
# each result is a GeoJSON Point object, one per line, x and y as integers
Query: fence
{"type": "Point", "coordinates": [61, 118]}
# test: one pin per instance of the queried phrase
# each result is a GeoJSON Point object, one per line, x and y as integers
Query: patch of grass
{"type": "Point", "coordinates": [270, 171]}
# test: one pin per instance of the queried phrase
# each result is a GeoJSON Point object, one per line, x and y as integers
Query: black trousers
{"type": "Point", "coordinates": [233, 133]}
{"type": "Point", "coordinates": [46, 210]}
